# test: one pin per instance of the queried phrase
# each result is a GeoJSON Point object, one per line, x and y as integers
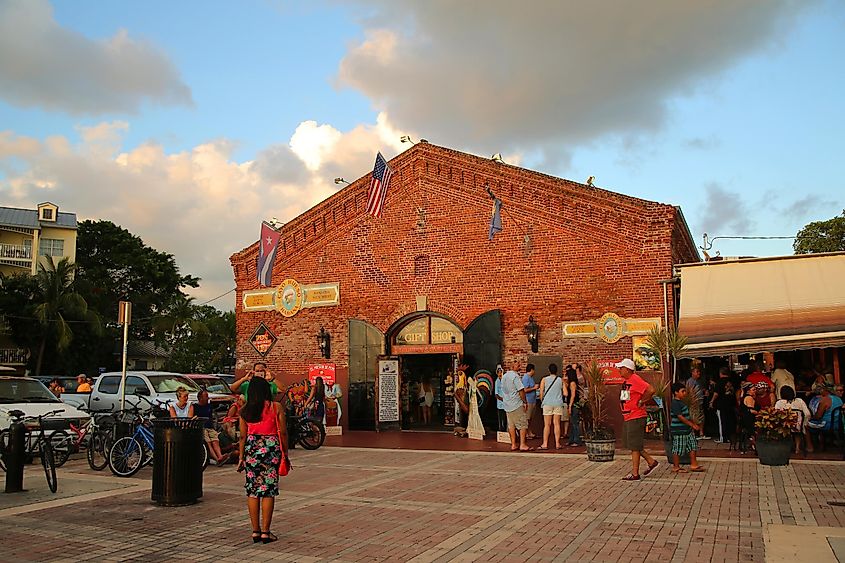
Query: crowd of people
{"type": "Point", "coordinates": [732, 401]}
{"type": "Point", "coordinates": [559, 398]}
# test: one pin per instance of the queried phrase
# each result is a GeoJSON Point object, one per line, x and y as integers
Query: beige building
{"type": "Point", "coordinates": [28, 235]}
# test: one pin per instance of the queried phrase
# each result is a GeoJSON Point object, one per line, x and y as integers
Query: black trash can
{"type": "Point", "coordinates": [177, 461]}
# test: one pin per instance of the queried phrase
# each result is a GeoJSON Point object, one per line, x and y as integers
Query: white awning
{"type": "Point", "coordinates": [763, 304]}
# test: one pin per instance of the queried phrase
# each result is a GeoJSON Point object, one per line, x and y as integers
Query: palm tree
{"type": "Point", "coordinates": [181, 320]}
{"type": "Point", "coordinates": [57, 303]}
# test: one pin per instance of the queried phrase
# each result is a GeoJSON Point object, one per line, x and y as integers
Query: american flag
{"type": "Point", "coordinates": [378, 186]}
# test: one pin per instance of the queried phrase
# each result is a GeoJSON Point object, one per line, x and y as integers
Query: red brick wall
{"type": "Point", "coordinates": [589, 251]}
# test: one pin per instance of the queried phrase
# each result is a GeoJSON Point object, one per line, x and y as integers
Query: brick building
{"type": "Point", "coordinates": [424, 284]}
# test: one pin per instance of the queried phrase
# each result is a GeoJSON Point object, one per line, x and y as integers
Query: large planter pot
{"type": "Point", "coordinates": [667, 445]}
{"type": "Point", "coordinates": [774, 452]}
{"type": "Point", "coordinates": [600, 450]}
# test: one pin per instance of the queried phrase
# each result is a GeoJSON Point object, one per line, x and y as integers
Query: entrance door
{"type": "Point", "coordinates": [365, 345]}
{"type": "Point", "coordinates": [423, 392]}
{"type": "Point", "coordinates": [483, 350]}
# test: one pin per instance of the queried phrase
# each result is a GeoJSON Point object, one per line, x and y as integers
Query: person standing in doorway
{"type": "Point", "coordinates": [516, 410]}
{"type": "Point", "coordinates": [635, 393]}
{"type": "Point", "coordinates": [531, 388]}
{"type": "Point", "coordinates": [426, 398]}
{"type": "Point", "coordinates": [500, 404]}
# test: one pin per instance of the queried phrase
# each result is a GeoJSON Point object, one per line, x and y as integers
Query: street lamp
{"type": "Point", "coordinates": [532, 329]}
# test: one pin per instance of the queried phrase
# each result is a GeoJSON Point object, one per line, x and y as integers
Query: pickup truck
{"type": "Point", "coordinates": [142, 388]}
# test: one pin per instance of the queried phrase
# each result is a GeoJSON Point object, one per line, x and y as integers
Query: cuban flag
{"type": "Point", "coordinates": [378, 186]}
{"type": "Point", "coordinates": [269, 243]}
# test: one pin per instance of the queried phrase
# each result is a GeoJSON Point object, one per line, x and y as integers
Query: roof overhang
{"type": "Point", "coordinates": [763, 305]}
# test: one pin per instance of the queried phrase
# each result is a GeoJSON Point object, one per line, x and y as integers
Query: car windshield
{"type": "Point", "coordinates": [25, 391]}
{"type": "Point", "coordinates": [214, 385]}
{"type": "Point", "coordinates": [170, 383]}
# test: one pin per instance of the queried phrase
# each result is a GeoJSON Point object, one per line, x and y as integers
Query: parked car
{"type": "Point", "coordinates": [32, 397]}
{"type": "Point", "coordinates": [210, 382]}
{"type": "Point", "coordinates": [142, 388]}
{"type": "Point", "coordinates": [69, 383]}
{"type": "Point", "coordinates": [227, 377]}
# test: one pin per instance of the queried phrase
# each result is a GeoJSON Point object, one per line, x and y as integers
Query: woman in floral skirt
{"type": "Point", "coordinates": [262, 447]}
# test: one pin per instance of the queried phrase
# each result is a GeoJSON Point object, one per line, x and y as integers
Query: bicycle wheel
{"type": "Point", "coordinates": [126, 456]}
{"type": "Point", "coordinates": [311, 434]}
{"type": "Point", "coordinates": [205, 455]}
{"type": "Point", "coordinates": [4, 445]}
{"type": "Point", "coordinates": [97, 453]}
{"type": "Point", "coordinates": [49, 466]}
{"type": "Point", "coordinates": [61, 445]}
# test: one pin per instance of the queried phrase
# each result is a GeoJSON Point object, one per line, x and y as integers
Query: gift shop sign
{"type": "Point", "coordinates": [610, 373]}
{"type": "Point", "coordinates": [326, 371]}
{"type": "Point", "coordinates": [262, 339]}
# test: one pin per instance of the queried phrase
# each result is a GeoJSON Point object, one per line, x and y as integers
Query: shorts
{"type": "Point", "coordinates": [682, 444]}
{"type": "Point", "coordinates": [633, 434]}
{"type": "Point", "coordinates": [551, 411]}
{"type": "Point", "coordinates": [210, 435]}
{"type": "Point", "coordinates": [518, 419]}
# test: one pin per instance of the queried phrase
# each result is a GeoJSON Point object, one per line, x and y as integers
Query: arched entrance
{"type": "Point", "coordinates": [429, 346]}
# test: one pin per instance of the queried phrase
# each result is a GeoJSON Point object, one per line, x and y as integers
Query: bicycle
{"type": "Point", "coordinates": [41, 441]}
{"type": "Point", "coordinates": [97, 437]}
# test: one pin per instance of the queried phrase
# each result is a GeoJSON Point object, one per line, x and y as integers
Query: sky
{"type": "Point", "coordinates": [188, 123]}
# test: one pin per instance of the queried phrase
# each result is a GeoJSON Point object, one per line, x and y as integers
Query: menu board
{"type": "Point", "coordinates": [388, 391]}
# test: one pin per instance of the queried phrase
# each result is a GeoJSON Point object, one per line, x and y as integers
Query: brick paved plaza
{"type": "Point", "coordinates": [352, 504]}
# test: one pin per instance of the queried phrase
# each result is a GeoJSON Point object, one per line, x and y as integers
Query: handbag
{"type": "Point", "coordinates": [284, 461]}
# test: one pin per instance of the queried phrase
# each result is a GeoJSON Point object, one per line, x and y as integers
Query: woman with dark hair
{"type": "Point", "coordinates": [573, 401]}
{"type": "Point", "coordinates": [317, 399]}
{"type": "Point", "coordinates": [263, 447]}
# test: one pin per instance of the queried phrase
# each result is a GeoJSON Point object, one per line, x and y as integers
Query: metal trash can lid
{"type": "Point", "coordinates": [185, 423]}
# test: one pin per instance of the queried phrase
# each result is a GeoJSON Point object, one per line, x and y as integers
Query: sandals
{"type": "Point", "coordinates": [256, 536]}
{"type": "Point", "coordinates": [631, 477]}
{"type": "Point", "coordinates": [270, 537]}
{"type": "Point", "coordinates": [543, 448]}
{"type": "Point", "coordinates": [679, 470]}
{"type": "Point", "coordinates": [698, 469]}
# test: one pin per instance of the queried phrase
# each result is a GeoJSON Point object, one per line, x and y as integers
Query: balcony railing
{"type": "Point", "coordinates": [15, 251]}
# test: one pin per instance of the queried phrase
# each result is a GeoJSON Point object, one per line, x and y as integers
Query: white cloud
{"type": "Point", "coordinates": [199, 204]}
{"type": "Point", "coordinates": [47, 66]}
{"type": "Point", "coordinates": [499, 76]}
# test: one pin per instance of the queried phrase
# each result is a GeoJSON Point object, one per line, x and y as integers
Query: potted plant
{"type": "Point", "coordinates": [669, 343]}
{"type": "Point", "coordinates": [598, 436]}
{"type": "Point", "coordinates": [774, 435]}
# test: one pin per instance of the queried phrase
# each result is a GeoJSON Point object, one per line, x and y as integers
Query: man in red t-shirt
{"type": "Point", "coordinates": [763, 384]}
{"type": "Point", "coordinates": [635, 393]}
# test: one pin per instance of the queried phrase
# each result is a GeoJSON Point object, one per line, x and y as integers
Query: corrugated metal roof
{"type": "Point", "coordinates": [16, 217]}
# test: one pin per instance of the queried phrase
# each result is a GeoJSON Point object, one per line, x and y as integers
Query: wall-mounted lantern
{"type": "Point", "coordinates": [532, 329]}
{"type": "Point", "coordinates": [324, 341]}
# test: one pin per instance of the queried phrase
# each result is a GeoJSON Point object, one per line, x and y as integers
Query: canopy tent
{"type": "Point", "coordinates": [763, 304]}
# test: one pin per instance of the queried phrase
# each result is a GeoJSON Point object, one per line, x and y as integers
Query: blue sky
{"type": "Point", "coordinates": [163, 116]}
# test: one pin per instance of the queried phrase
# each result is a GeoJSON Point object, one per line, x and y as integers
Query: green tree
{"type": "Point", "coordinates": [57, 304]}
{"type": "Point", "coordinates": [114, 265]}
{"type": "Point", "coordinates": [209, 352]}
{"type": "Point", "coordinates": [821, 236]}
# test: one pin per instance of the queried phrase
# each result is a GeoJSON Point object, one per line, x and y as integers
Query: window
{"type": "Point", "coordinates": [109, 384]}
{"type": "Point", "coordinates": [136, 386]}
{"type": "Point", "coordinates": [51, 247]}
{"type": "Point", "coordinates": [47, 214]}
{"type": "Point", "coordinates": [141, 365]}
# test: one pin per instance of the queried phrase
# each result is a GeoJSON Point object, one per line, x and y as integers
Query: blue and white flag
{"type": "Point", "coordinates": [496, 219]}
{"type": "Point", "coordinates": [269, 243]}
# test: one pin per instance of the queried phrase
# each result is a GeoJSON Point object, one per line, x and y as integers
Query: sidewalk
{"type": "Point", "coordinates": [357, 504]}
{"type": "Point", "coordinates": [446, 441]}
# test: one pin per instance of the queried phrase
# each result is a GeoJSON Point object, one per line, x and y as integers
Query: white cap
{"type": "Point", "coordinates": [627, 363]}
{"type": "Point", "coordinates": [499, 368]}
